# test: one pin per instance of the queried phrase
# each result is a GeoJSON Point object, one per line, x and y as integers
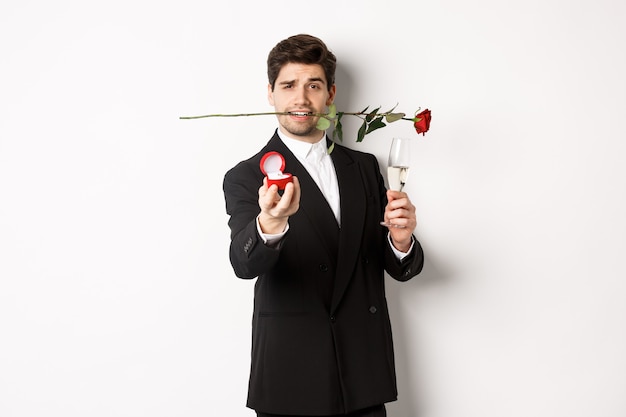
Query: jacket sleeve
{"type": "Point", "coordinates": [413, 263]}
{"type": "Point", "coordinates": [249, 256]}
{"type": "Point", "coordinates": [409, 267]}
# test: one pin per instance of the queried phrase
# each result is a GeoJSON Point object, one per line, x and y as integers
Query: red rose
{"type": "Point", "coordinates": [422, 122]}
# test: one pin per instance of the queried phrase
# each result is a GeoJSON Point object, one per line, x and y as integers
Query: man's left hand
{"type": "Point", "coordinates": [400, 216]}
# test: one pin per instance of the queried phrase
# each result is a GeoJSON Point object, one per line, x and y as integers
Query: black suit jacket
{"type": "Point", "coordinates": [321, 335]}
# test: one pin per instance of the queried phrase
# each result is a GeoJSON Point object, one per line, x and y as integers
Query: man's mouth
{"type": "Point", "coordinates": [300, 113]}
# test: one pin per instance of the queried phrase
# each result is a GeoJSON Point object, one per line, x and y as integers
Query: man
{"type": "Point", "coordinates": [321, 335]}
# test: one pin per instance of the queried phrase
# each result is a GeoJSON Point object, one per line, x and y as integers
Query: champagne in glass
{"type": "Point", "coordinates": [398, 163]}
{"type": "Point", "coordinates": [398, 166]}
{"type": "Point", "coordinates": [396, 175]}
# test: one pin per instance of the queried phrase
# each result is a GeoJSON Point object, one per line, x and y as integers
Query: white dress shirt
{"type": "Point", "coordinates": [318, 163]}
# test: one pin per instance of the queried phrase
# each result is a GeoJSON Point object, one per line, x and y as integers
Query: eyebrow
{"type": "Point", "coordinates": [310, 80]}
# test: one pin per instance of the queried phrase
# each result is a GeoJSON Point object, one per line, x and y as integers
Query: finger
{"type": "Point", "coordinates": [285, 199]}
{"type": "Point", "coordinates": [272, 191]}
{"type": "Point", "coordinates": [396, 195]}
{"type": "Point", "coordinates": [268, 197]}
{"type": "Point", "coordinates": [263, 187]}
{"type": "Point", "coordinates": [407, 213]}
{"type": "Point", "coordinates": [296, 182]}
{"type": "Point", "coordinates": [403, 203]}
{"type": "Point", "coordinates": [394, 215]}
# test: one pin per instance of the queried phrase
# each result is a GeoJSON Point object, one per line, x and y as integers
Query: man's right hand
{"type": "Point", "coordinates": [276, 209]}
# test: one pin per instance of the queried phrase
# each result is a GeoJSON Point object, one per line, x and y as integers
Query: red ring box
{"type": "Point", "coordinates": [272, 165]}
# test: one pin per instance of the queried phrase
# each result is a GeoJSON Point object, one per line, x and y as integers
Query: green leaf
{"type": "Point", "coordinates": [361, 134]}
{"type": "Point", "coordinates": [394, 117]}
{"type": "Point", "coordinates": [338, 132]}
{"type": "Point", "coordinates": [331, 147]}
{"type": "Point", "coordinates": [364, 110]}
{"type": "Point", "coordinates": [323, 123]}
{"type": "Point", "coordinates": [377, 123]}
{"type": "Point", "coordinates": [332, 111]}
{"type": "Point", "coordinates": [372, 114]}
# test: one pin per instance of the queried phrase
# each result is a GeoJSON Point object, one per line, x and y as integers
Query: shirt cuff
{"type": "Point", "coordinates": [400, 255]}
{"type": "Point", "coordinates": [271, 240]}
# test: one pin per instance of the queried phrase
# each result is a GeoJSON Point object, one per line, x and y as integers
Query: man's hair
{"type": "Point", "coordinates": [301, 49]}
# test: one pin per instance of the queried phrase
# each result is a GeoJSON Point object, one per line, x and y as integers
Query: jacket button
{"type": "Point", "coordinates": [333, 319]}
{"type": "Point", "coordinates": [323, 267]}
{"type": "Point", "coordinates": [373, 309]}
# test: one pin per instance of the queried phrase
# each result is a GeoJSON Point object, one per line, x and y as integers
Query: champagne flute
{"type": "Point", "coordinates": [398, 166]}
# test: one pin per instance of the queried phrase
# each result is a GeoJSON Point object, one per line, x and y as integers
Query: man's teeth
{"type": "Point", "coordinates": [300, 113]}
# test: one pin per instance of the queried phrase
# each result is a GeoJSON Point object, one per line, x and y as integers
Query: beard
{"type": "Point", "coordinates": [304, 128]}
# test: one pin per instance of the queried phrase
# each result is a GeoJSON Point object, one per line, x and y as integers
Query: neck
{"type": "Point", "coordinates": [312, 138]}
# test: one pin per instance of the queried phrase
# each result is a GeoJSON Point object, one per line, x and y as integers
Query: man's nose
{"type": "Point", "coordinates": [302, 96]}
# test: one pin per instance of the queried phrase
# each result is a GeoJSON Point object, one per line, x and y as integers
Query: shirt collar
{"type": "Point", "coordinates": [299, 148]}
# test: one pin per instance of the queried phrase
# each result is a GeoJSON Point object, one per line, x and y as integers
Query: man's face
{"type": "Point", "coordinates": [301, 89]}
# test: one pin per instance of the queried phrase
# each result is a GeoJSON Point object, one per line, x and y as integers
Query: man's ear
{"type": "Point", "coordinates": [331, 94]}
{"type": "Point", "coordinates": [270, 94]}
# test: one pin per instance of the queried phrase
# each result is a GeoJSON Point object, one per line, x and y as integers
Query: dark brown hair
{"type": "Point", "coordinates": [301, 49]}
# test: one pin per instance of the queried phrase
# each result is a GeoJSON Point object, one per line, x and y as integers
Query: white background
{"type": "Point", "coordinates": [116, 293]}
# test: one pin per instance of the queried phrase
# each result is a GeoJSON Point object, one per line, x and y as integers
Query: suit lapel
{"type": "Point", "coordinates": [313, 204]}
{"type": "Point", "coordinates": [315, 208]}
{"type": "Point", "coordinates": [353, 205]}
